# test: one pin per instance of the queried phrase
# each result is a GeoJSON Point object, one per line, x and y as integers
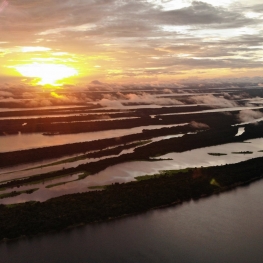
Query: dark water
{"type": "Point", "coordinates": [225, 228]}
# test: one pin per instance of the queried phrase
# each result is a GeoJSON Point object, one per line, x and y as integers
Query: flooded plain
{"type": "Point", "coordinates": [126, 172]}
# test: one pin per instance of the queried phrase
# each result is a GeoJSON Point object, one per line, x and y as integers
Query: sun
{"type": "Point", "coordinates": [46, 74]}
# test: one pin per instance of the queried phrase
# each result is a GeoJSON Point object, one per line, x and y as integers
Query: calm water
{"type": "Point", "coordinates": [214, 110]}
{"type": "Point", "coordinates": [225, 228]}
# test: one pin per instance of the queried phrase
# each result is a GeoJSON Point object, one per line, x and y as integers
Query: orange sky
{"type": "Point", "coordinates": [121, 41]}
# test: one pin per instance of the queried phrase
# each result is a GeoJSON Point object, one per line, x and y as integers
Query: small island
{"type": "Point", "coordinates": [217, 154]}
{"type": "Point", "coordinates": [243, 152]}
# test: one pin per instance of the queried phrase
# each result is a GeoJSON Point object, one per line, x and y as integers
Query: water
{"type": "Point", "coordinates": [224, 228]}
{"type": "Point", "coordinates": [214, 110]}
{"type": "Point", "coordinates": [36, 140]}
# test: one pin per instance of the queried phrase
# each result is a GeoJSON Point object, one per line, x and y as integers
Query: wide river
{"type": "Point", "coordinates": [223, 228]}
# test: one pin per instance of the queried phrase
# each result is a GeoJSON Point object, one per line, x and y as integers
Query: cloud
{"type": "Point", "coordinates": [28, 95]}
{"type": "Point", "coordinates": [151, 99]}
{"type": "Point", "coordinates": [211, 100]}
{"type": "Point", "coordinates": [240, 96]}
{"type": "Point", "coordinates": [9, 99]}
{"type": "Point", "coordinates": [119, 100]}
{"type": "Point", "coordinates": [249, 115]}
{"type": "Point", "coordinates": [258, 8]}
{"type": "Point", "coordinates": [5, 93]}
{"type": "Point", "coordinates": [97, 85]}
{"type": "Point", "coordinates": [110, 103]}
{"type": "Point", "coordinates": [38, 103]}
{"type": "Point", "coordinates": [96, 82]}
{"type": "Point", "coordinates": [199, 125]}
{"type": "Point", "coordinates": [33, 98]}
{"type": "Point", "coordinates": [168, 91]}
{"type": "Point", "coordinates": [135, 41]}
{"type": "Point", "coordinates": [200, 13]}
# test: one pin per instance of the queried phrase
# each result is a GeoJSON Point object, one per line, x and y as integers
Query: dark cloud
{"type": "Point", "coordinates": [256, 8]}
{"type": "Point", "coordinates": [200, 13]}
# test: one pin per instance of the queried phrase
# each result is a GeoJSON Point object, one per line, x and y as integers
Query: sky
{"type": "Point", "coordinates": [73, 42]}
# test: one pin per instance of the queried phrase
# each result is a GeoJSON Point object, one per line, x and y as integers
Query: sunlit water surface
{"type": "Point", "coordinates": [36, 140]}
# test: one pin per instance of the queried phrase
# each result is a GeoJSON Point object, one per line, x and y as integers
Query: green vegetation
{"type": "Point", "coordinates": [159, 159]}
{"type": "Point", "coordinates": [30, 191]}
{"type": "Point", "coordinates": [145, 177]}
{"type": "Point", "coordinates": [44, 180]}
{"type": "Point", "coordinates": [83, 175]}
{"type": "Point", "coordinates": [98, 187]}
{"type": "Point", "coordinates": [217, 154]}
{"type": "Point", "coordinates": [57, 184]}
{"type": "Point", "coordinates": [162, 173]}
{"type": "Point", "coordinates": [173, 172]}
{"type": "Point", "coordinates": [243, 152]}
{"type": "Point", "coordinates": [112, 151]}
{"type": "Point", "coordinates": [52, 178]}
{"type": "Point", "coordinates": [10, 194]}
{"type": "Point", "coordinates": [16, 193]}
{"type": "Point", "coordinates": [140, 143]}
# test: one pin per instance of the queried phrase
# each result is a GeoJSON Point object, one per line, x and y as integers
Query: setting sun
{"type": "Point", "coordinates": [46, 74]}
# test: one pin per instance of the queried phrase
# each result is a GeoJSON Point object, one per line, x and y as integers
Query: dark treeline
{"type": "Point", "coordinates": [95, 109]}
{"type": "Point", "coordinates": [122, 199]}
{"type": "Point", "coordinates": [32, 112]}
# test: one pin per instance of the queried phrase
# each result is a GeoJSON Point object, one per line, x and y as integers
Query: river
{"type": "Point", "coordinates": [222, 228]}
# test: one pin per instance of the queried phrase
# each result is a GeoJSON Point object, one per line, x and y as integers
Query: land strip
{"type": "Point", "coordinates": [119, 200]}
